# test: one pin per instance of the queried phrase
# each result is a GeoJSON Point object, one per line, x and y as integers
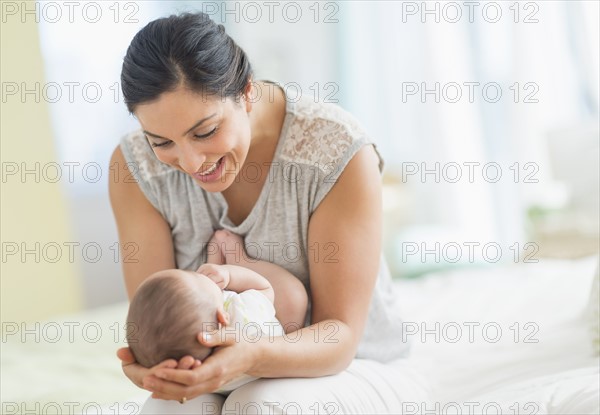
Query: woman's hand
{"type": "Point", "coordinates": [229, 360]}
{"type": "Point", "coordinates": [136, 372]}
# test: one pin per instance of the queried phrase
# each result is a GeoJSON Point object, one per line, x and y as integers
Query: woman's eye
{"type": "Point", "coordinates": [214, 130]}
{"type": "Point", "coordinates": [200, 137]}
{"type": "Point", "coordinates": [161, 144]}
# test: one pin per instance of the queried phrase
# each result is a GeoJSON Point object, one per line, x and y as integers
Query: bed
{"type": "Point", "coordinates": [510, 339]}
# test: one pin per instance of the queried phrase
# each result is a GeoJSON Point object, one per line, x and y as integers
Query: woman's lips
{"type": "Point", "coordinates": [212, 173]}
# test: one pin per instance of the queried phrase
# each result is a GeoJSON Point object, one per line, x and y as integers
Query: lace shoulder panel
{"type": "Point", "coordinates": [320, 134]}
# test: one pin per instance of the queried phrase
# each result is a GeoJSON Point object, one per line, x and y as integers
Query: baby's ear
{"type": "Point", "coordinates": [223, 317]}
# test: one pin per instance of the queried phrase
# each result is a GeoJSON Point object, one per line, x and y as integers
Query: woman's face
{"type": "Point", "coordinates": [205, 137]}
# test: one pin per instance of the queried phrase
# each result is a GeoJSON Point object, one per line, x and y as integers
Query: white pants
{"type": "Point", "coordinates": [366, 387]}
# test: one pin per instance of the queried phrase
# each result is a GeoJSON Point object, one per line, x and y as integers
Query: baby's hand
{"type": "Point", "coordinates": [217, 273]}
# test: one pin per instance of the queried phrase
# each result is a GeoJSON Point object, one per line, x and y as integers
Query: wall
{"type": "Point", "coordinates": [44, 282]}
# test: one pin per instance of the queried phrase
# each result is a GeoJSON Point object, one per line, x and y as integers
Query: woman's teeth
{"type": "Point", "coordinates": [211, 170]}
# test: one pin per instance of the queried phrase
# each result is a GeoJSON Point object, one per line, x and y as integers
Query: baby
{"type": "Point", "coordinates": [171, 307]}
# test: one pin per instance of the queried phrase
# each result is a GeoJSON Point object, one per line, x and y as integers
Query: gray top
{"type": "Point", "coordinates": [316, 143]}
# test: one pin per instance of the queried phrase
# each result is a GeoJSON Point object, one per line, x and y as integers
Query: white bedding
{"type": "Point", "coordinates": [556, 375]}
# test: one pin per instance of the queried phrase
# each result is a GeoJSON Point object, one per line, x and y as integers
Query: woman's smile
{"type": "Point", "coordinates": [212, 173]}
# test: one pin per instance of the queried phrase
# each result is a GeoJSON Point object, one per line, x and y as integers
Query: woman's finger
{"type": "Point", "coordinates": [168, 388]}
{"type": "Point", "coordinates": [169, 363]}
{"type": "Point", "coordinates": [172, 391]}
{"type": "Point", "coordinates": [183, 377]}
{"type": "Point", "coordinates": [207, 373]}
{"type": "Point", "coordinates": [125, 355]}
{"type": "Point", "coordinates": [140, 373]}
{"type": "Point", "coordinates": [218, 337]}
{"type": "Point", "coordinates": [157, 395]}
{"type": "Point", "coordinates": [186, 362]}
{"type": "Point", "coordinates": [135, 372]}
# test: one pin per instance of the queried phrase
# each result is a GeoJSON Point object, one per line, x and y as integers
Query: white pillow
{"type": "Point", "coordinates": [594, 312]}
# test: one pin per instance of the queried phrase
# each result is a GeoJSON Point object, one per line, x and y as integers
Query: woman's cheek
{"type": "Point", "coordinates": [160, 156]}
{"type": "Point", "coordinates": [164, 157]}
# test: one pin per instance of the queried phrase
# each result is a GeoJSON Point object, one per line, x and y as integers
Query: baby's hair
{"type": "Point", "coordinates": [165, 316]}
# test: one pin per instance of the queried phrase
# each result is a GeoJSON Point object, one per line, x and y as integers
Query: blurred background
{"type": "Point", "coordinates": [486, 116]}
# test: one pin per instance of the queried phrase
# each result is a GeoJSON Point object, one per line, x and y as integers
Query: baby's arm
{"type": "Point", "coordinates": [238, 279]}
{"type": "Point", "coordinates": [291, 298]}
{"type": "Point", "coordinates": [242, 279]}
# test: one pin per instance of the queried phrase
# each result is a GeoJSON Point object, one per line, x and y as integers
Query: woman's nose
{"type": "Point", "coordinates": [190, 161]}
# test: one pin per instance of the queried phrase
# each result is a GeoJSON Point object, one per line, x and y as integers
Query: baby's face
{"type": "Point", "coordinates": [194, 281]}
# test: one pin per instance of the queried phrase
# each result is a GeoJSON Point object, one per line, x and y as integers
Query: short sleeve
{"type": "Point", "coordinates": [330, 174]}
{"type": "Point", "coordinates": [324, 138]}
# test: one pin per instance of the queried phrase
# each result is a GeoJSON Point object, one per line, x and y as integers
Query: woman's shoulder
{"type": "Point", "coordinates": [140, 158]}
{"type": "Point", "coordinates": [322, 134]}
{"type": "Point", "coordinates": [325, 112]}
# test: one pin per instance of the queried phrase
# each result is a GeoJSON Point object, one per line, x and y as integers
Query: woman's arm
{"type": "Point", "coordinates": [144, 235]}
{"type": "Point", "coordinates": [349, 220]}
{"type": "Point", "coordinates": [142, 228]}
{"type": "Point", "coordinates": [348, 224]}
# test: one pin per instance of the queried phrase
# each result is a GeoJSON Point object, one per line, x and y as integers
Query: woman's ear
{"type": "Point", "coordinates": [249, 95]}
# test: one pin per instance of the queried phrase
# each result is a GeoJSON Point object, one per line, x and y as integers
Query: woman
{"type": "Point", "coordinates": [300, 182]}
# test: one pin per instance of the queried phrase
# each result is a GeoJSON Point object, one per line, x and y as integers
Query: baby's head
{"type": "Point", "coordinates": [168, 311]}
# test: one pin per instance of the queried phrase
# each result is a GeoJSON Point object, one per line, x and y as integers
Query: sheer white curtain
{"type": "Point", "coordinates": [541, 56]}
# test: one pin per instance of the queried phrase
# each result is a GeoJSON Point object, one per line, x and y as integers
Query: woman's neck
{"type": "Point", "coordinates": [267, 115]}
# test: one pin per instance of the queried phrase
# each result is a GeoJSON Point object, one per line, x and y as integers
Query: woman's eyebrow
{"type": "Point", "coordinates": [200, 123]}
{"type": "Point", "coordinates": [194, 126]}
{"type": "Point", "coordinates": [153, 135]}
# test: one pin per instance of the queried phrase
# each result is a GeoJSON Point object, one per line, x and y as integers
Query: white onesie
{"type": "Point", "coordinates": [251, 316]}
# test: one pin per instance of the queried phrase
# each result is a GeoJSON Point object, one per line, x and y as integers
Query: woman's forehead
{"type": "Point", "coordinates": [180, 109]}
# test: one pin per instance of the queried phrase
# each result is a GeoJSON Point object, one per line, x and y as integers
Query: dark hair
{"type": "Point", "coordinates": [188, 49]}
